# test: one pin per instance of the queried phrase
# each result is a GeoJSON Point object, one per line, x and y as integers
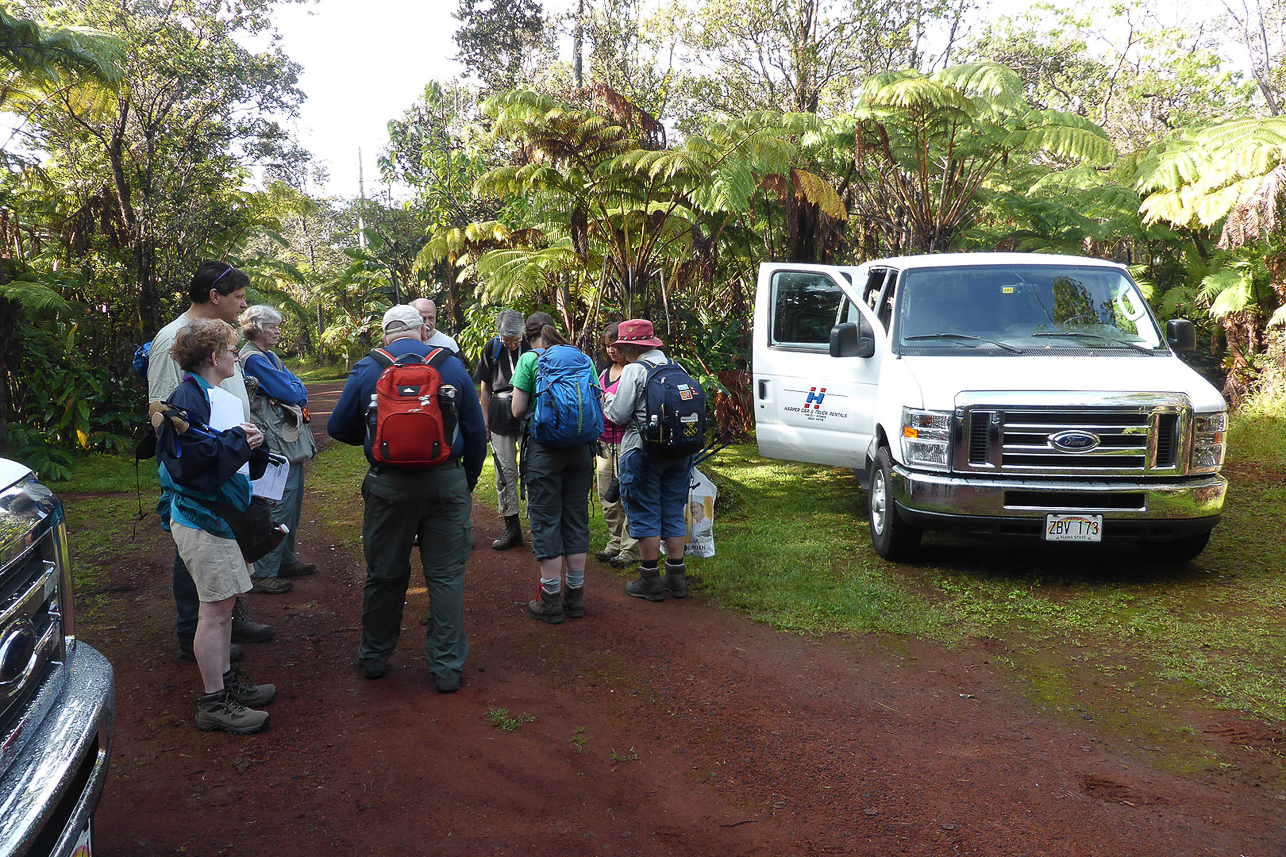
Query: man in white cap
{"type": "Point", "coordinates": [401, 503]}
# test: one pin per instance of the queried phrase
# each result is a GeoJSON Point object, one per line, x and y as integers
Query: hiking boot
{"type": "Point", "coordinates": [448, 684]}
{"type": "Point", "coordinates": [220, 711]}
{"type": "Point", "coordinates": [296, 569]}
{"type": "Point", "coordinates": [675, 582]}
{"type": "Point", "coordinates": [574, 601]}
{"type": "Point", "coordinates": [247, 630]}
{"type": "Point", "coordinates": [607, 554]}
{"type": "Point", "coordinates": [648, 586]}
{"type": "Point", "coordinates": [237, 685]}
{"type": "Point", "coordinates": [271, 586]}
{"type": "Point", "coordinates": [373, 669]}
{"type": "Point", "coordinates": [186, 653]}
{"type": "Point", "coordinates": [548, 607]}
{"type": "Point", "coordinates": [622, 561]}
{"type": "Point", "coordinates": [512, 537]}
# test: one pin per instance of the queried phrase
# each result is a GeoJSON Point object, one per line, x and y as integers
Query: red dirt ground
{"type": "Point", "coordinates": [655, 729]}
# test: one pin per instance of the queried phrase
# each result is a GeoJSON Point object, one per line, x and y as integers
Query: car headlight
{"type": "Point", "coordinates": [926, 438]}
{"type": "Point", "coordinates": [1209, 441]}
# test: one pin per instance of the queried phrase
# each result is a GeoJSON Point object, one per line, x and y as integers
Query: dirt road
{"type": "Point", "coordinates": [642, 729]}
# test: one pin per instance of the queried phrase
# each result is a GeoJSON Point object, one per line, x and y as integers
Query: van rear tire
{"type": "Point", "coordinates": [893, 538]}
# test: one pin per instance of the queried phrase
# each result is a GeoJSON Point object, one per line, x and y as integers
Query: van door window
{"type": "Point", "coordinates": [805, 306]}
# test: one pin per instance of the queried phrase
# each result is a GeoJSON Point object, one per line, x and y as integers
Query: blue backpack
{"type": "Point", "coordinates": [142, 355]}
{"type": "Point", "coordinates": [568, 407]}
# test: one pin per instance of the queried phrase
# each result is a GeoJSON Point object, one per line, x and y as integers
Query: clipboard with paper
{"type": "Point", "coordinates": [273, 482]}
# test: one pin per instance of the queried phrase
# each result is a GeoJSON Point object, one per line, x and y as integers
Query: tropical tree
{"type": "Point", "coordinates": [1231, 178]}
{"type": "Point", "coordinates": [194, 105]}
{"type": "Point", "coordinates": [926, 145]}
{"type": "Point", "coordinates": [35, 62]}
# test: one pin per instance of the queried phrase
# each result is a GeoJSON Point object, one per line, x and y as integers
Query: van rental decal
{"type": "Point", "coordinates": [816, 404]}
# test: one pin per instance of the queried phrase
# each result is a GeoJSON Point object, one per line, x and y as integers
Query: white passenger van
{"type": "Point", "coordinates": [992, 393]}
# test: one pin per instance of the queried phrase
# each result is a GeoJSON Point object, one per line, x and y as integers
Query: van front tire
{"type": "Point", "coordinates": [1176, 550]}
{"type": "Point", "coordinates": [893, 538]}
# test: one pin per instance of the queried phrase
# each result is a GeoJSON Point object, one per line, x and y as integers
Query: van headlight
{"type": "Point", "coordinates": [926, 438]}
{"type": "Point", "coordinates": [1209, 441]}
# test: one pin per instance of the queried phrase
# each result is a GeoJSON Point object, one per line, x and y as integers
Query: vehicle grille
{"type": "Point", "coordinates": [1115, 439]}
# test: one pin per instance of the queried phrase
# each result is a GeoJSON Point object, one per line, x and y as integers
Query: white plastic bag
{"type": "Point", "coordinates": [700, 515]}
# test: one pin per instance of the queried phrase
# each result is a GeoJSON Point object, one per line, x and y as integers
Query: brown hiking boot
{"type": "Point", "coordinates": [574, 601]}
{"type": "Point", "coordinates": [296, 569]}
{"type": "Point", "coordinates": [271, 585]}
{"type": "Point", "coordinates": [221, 712]}
{"type": "Point", "coordinates": [245, 629]}
{"type": "Point", "coordinates": [238, 686]}
{"type": "Point", "coordinates": [674, 580]}
{"type": "Point", "coordinates": [547, 607]}
{"type": "Point", "coordinates": [648, 586]}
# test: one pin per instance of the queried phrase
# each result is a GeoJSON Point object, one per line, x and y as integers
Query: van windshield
{"type": "Point", "coordinates": [1023, 308]}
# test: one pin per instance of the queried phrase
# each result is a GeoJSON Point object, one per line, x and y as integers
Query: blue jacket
{"type": "Point", "coordinates": [347, 423]}
{"type": "Point", "coordinates": [201, 465]}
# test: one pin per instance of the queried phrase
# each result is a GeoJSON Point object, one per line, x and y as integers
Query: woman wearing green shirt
{"type": "Point", "coordinates": [558, 482]}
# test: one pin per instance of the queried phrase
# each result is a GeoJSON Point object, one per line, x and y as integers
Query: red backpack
{"type": "Point", "coordinates": [411, 419]}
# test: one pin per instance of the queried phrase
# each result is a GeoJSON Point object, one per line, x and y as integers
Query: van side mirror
{"type": "Point", "coordinates": [853, 340]}
{"type": "Point", "coordinates": [1179, 335]}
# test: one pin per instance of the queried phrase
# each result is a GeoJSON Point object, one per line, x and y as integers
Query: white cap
{"type": "Point", "coordinates": [402, 317]}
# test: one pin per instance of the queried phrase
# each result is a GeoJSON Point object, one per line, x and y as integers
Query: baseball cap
{"type": "Point", "coordinates": [401, 318]}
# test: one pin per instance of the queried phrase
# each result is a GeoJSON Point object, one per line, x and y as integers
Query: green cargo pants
{"type": "Point", "coordinates": [400, 504]}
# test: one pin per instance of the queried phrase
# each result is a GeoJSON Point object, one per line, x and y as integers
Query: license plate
{"type": "Point", "coordinates": [84, 842]}
{"type": "Point", "coordinates": [1073, 528]}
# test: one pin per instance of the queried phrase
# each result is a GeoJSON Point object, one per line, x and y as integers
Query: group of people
{"type": "Point", "coordinates": [413, 406]}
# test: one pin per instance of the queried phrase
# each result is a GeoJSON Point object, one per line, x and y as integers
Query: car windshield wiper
{"type": "Point", "coordinates": [1099, 336]}
{"type": "Point", "coordinates": [1005, 345]}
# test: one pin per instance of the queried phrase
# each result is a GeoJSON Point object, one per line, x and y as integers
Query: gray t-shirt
{"type": "Point", "coordinates": [164, 374]}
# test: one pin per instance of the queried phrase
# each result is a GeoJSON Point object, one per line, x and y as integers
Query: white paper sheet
{"type": "Point", "coordinates": [273, 483]}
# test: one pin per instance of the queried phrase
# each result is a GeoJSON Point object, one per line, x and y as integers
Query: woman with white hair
{"type": "Point", "coordinates": [277, 405]}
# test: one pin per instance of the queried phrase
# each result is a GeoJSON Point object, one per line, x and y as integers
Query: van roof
{"type": "Point", "coordinates": [939, 260]}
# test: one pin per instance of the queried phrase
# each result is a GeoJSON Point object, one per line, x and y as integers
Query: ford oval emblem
{"type": "Point", "coordinates": [1074, 441]}
{"type": "Point", "coordinates": [17, 644]}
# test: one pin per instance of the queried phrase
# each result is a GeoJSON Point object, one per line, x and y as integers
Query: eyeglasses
{"type": "Point", "coordinates": [511, 340]}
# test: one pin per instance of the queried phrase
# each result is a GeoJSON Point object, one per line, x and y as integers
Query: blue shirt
{"type": "Point", "coordinates": [281, 384]}
{"type": "Point", "coordinates": [347, 423]}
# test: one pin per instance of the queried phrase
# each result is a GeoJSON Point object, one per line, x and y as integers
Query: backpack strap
{"type": "Point", "coordinates": [386, 358]}
{"type": "Point", "coordinates": [499, 346]}
{"type": "Point", "coordinates": [437, 357]}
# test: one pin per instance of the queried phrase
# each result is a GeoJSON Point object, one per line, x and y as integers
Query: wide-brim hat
{"type": "Point", "coordinates": [636, 331]}
{"type": "Point", "coordinates": [402, 317]}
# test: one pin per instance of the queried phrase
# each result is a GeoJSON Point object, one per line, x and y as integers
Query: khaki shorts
{"type": "Point", "coordinates": [216, 565]}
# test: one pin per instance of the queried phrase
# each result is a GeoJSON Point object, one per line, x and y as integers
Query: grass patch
{"type": "Point", "coordinates": [308, 370]}
{"type": "Point", "coordinates": [109, 474]}
{"type": "Point", "coordinates": [499, 718]}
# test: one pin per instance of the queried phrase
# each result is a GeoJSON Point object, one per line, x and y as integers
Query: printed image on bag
{"type": "Point", "coordinates": [700, 515]}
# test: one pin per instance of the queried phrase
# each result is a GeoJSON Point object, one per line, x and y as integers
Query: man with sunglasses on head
{"type": "Point", "coordinates": [217, 291]}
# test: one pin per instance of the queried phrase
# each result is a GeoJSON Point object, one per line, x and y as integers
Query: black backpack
{"type": "Point", "coordinates": [676, 412]}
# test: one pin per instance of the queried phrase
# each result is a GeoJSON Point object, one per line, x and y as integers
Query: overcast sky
{"type": "Point", "coordinates": [366, 61]}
